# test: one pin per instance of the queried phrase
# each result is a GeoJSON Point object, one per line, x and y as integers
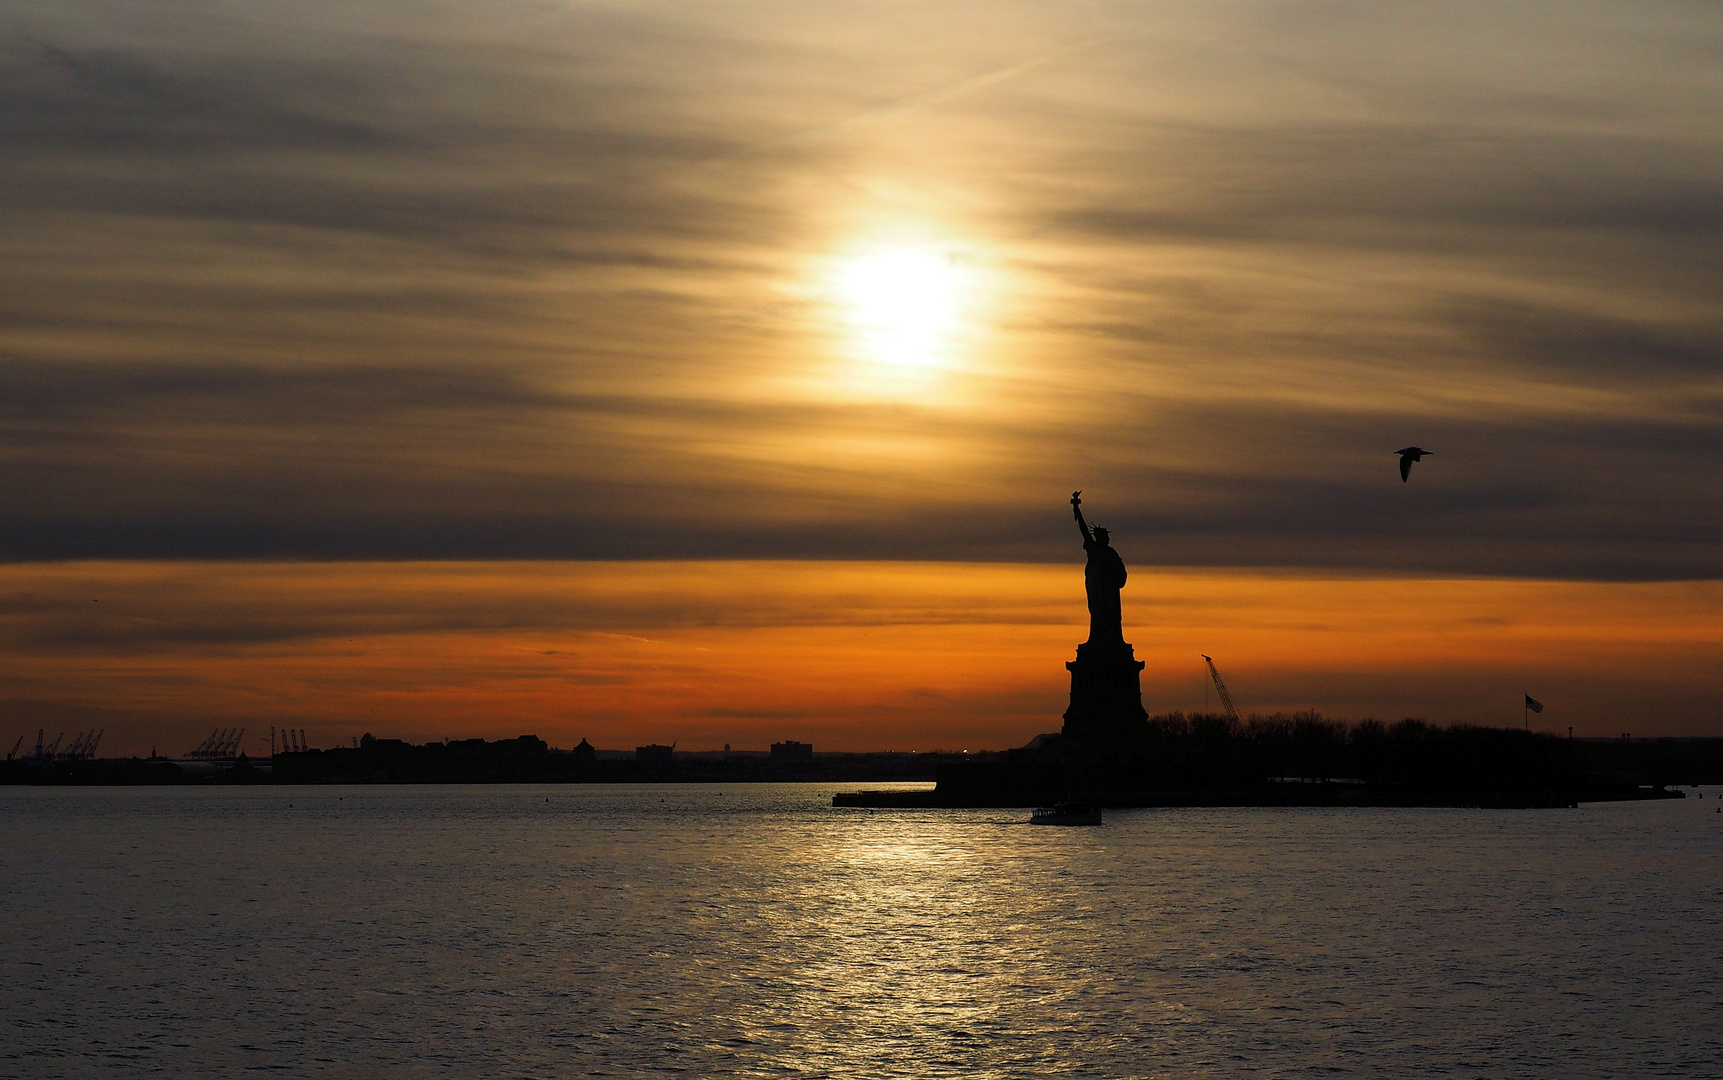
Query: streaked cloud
{"type": "Point", "coordinates": [383, 280]}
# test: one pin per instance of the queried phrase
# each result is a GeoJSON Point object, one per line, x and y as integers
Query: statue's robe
{"type": "Point", "coordinates": [1103, 577]}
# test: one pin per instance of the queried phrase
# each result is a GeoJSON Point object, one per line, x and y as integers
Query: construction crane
{"type": "Point", "coordinates": [1220, 687]}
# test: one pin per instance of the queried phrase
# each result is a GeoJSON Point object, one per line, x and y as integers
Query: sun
{"type": "Point", "coordinates": [904, 308]}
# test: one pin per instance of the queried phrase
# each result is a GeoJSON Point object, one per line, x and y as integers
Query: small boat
{"type": "Point", "coordinates": [1067, 813]}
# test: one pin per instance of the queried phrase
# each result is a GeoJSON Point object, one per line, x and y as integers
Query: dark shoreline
{"type": "Point", "coordinates": [493, 763]}
{"type": "Point", "coordinates": [1303, 759]}
{"type": "Point", "coordinates": [1186, 763]}
{"type": "Point", "coordinates": [1314, 795]}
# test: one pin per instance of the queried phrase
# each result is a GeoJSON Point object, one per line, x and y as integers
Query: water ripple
{"type": "Point", "coordinates": [757, 932]}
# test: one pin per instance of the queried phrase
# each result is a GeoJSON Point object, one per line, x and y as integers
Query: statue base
{"type": "Point", "coordinates": [1106, 693]}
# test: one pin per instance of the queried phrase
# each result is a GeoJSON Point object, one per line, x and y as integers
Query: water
{"type": "Point", "coordinates": [755, 931]}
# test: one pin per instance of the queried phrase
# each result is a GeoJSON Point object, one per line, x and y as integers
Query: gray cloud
{"type": "Point", "coordinates": [364, 283]}
{"type": "Point", "coordinates": [447, 464]}
{"type": "Point", "coordinates": [1586, 345]}
{"type": "Point", "coordinates": [110, 100]}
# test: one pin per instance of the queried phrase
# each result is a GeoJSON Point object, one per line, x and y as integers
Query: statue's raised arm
{"type": "Point", "coordinates": [1077, 512]}
{"type": "Point", "coordinates": [1103, 577]}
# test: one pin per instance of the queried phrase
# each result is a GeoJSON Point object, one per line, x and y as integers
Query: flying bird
{"type": "Point", "coordinates": [1407, 457]}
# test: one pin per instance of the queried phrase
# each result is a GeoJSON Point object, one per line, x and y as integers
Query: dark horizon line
{"type": "Point", "coordinates": [1320, 567]}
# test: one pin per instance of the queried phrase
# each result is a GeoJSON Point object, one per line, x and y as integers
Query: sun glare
{"type": "Point", "coordinates": [904, 308]}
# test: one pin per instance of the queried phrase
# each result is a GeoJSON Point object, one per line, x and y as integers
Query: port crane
{"type": "Point", "coordinates": [15, 747]}
{"type": "Point", "coordinates": [222, 743]}
{"type": "Point", "coordinates": [289, 740]}
{"type": "Point", "coordinates": [1220, 687]}
{"type": "Point", "coordinates": [83, 746]}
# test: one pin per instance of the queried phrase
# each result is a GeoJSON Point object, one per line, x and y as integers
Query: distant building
{"type": "Point", "coordinates": [584, 754]}
{"type": "Point", "coordinates": [790, 752]}
{"type": "Point", "coordinates": [654, 756]}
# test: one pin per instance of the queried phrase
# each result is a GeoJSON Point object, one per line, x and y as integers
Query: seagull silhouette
{"type": "Point", "coordinates": [1407, 457]}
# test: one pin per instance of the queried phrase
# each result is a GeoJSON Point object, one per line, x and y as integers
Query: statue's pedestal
{"type": "Point", "coordinates": [1106, 693]}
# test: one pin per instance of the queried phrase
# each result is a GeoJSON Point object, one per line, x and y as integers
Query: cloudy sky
{"type": "Point", "coordinates": [344, 347]}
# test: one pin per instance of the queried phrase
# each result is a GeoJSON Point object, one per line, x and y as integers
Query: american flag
{"type": "Point", "coordinates": [1534, 704]}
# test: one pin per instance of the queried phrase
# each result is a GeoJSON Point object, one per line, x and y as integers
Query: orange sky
{"type": "Point", "coordinates": [846, 655]}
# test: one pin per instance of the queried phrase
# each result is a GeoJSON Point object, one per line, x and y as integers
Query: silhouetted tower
{"type": "Point", "coordinates": [1220, 687]}
{"type": "Point", "coordinates": [584, 754]}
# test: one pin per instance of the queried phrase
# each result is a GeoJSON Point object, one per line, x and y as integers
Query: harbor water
{"type": "Point", "coordinates": [754, 930]}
